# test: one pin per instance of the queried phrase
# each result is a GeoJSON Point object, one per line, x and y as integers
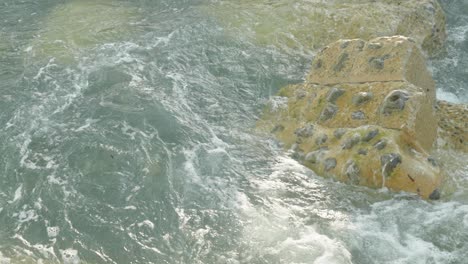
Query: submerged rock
{"type": "Point", "coordinates": [310, 25]}
{"type": "Point", "coordinates": [390, 146]}
{"type": "Point", "coordinates": [74, 27]}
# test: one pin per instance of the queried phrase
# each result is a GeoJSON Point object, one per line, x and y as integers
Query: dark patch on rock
{"type": "Point", "coordinates": [360, 45]}
{"type": "Point", "coordinates": [306, 131]}
{"type": "Point", "coordinates": [328, 112]}
{"type": "Point", "coordinates": [334, 94]}
{"type": "Point", "coordinates": [352, 171]}
{"type": "Point", "coordinates": [350, 142]}
{"type": "Point", "coordinates": [381, 144]}
{"type": "Point", "coordinates": [300, 94]}
{"type": "Point", "coordinates": [345, 44]}
{"type": "Point", "coordinates": [361, 98]}
{"type": "Point", "coordinates": [370, 135]}
{"type": "Point", "coordinates": [362, 152]}
{"type": "Point", "coordinates": [432, 161]}
{"type": "Point", "coordinates": [299, 155]}
{"type": "Point", "coordinates": [341, 62]}
{"type": "Point", "coordinates": [314, 156]}
{"type": "Point", "coordinates": [389, 162]}
{"type": "Point", "coordinates": [395, 101]}
{"type": "Point", "coordinates": [435, 195]}
{"type": "Point", "coordinates": [378, 62]}
{"type": "Point", "coordinates": [358, 115]}
{"type": "Point", "coordinates": [339, 132]}
{"type": "Point", "coordinates": [321, 139]}
{"type": "Point", "coordinates": [318, 64]}
{"type": "Point", "coordinates": [329, 164]}
{"type": "Point", "coordinates": [277, 128]}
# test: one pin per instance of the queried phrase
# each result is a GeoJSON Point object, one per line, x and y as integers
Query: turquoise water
{"type": "Point", "coordinates": [127, 136]}
{"type": "Point", "coordinates": [451, 67]}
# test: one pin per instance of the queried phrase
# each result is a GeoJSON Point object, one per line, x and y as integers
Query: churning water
{"type": "Point", "coordinates": [127, 136]}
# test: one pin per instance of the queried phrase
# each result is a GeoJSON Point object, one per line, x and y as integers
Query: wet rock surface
{"type": "Point", "coordinates": [372, 125]}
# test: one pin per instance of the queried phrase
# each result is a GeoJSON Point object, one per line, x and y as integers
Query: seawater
{"type": "Point", "coordinates": [127, 136]}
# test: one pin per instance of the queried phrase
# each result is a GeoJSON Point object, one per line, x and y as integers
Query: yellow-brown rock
{"type": "Point", "coordinates": [393, 70]}
{"type": "Point", "coordinates": [361, 121]}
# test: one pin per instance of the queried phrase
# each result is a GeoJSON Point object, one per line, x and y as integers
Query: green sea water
{"type": "Point", "coordinates": [127, 136]}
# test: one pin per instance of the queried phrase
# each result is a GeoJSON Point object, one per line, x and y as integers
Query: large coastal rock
{"type": "Point", "coordinates": [365, 115]}
{"type": "Point", "coordinates": [313, 24]}
{"type": "Point", "coordinates": [76, 26]}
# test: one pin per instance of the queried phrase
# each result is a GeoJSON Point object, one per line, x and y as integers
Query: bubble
{"type": "Point", "coordinates": [70, 256]}
{"type": "Point", "coordinates": [53, 231]}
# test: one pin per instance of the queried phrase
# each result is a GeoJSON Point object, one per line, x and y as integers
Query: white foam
{"type": "Point", "coordinates": [88, 123]}
{"type": "Point", "coordinates": [70, 256]}
{"type": "Point", "coordinates": [274, 228]}
{"type": "Point", "coordinates": [277, 102]}
{"type": "Point", "coordinates": [448, 96]}
{"type": "Point", "coordinates": [46, 251]}
{"type": "Point", "coordinates": [26, 215]}
{"type": "Point", "coordinates": [18, 193]}
{"type": "Point", "coordinates": [147, 223]}
{"type": "Point", "coordinates": [399, 230]}
{"type": "Point", "coordinates": [53, 231]}
{"type": "Point", "coordinates": [4, 260]}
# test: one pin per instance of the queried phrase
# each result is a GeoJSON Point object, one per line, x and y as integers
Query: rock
{"type": "Point", "coordinates": [334, 94]}
{"type": "Point", "coordinates": [404, 62]}
{"type": "Point", "coordinates": [371, 135]}
{"type": "Point", "coordinates": [435, 195]}
{"type": "Point", "coordinates": [329, 112]}
{"type": "Point", "coordinates": [351, 141]}
{"type": "Point", "coordinates": [330, 163]}
{"type": "Point", "coordinates": [403, 90]}
{"type": "Point", "coordinates": [310, 25]}
{"type": "Point", "coordinates": [381, 144]}
{"type": "Point", "coordinates": [321, 139]}
{"type": "Point", "coordinates": [362, 152]}
{"type": "Point", "coordinates": [390, 145]}
{"type": "Point", "coordinates": [358, 115]}
{"type": "Point", "coordinates": [389, 163]}
{"type": "Point", "coordinates": [306, 131]}
{"type": "Point", "coordinates": [352, 171]}
{"type": "Point", "coordinates": [361, 98]}
{"type": "Point", "coordinates": [338, 133]}
{"type": "Point", "coordinates": [394, 102]}
{"type": "Point", "coordinates": [314, 156]}
{"type": "Point", "coordinates": [277, 128]}
{"type": "Point", "coordinates": [432, 161]}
